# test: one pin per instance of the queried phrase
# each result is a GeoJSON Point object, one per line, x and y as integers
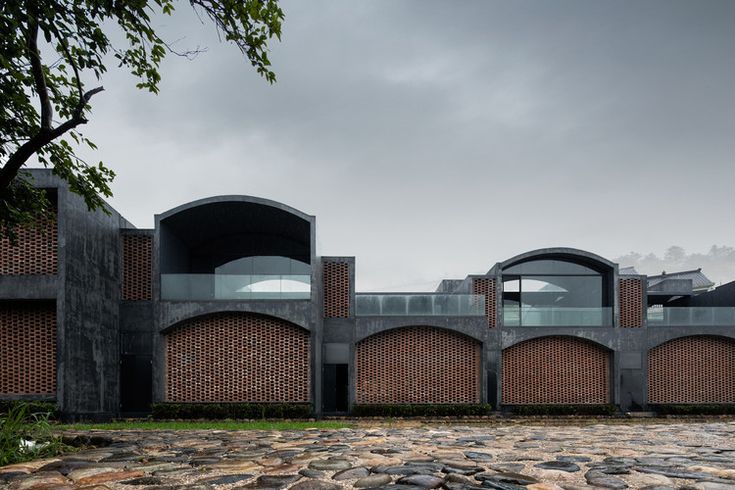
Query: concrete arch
{"type": "Point", "coordinates": [418, 364]}
{"type": "Point", "coordinates": [473, 328]}
{"type": "Point", "coordinates": [660, 336]}
{"type": "Point", "coordinates": [234, 198]}
{"type": "Point", "coordinates": [556, 369]}
{"type": "Point", "coordinates": [563, 253]}
{"type": "Point", "coordinates": [184, 322]}
{"type": "Point", "coordinates": [601, 337]}
{"type": "Point", "coordinates": [173, 313]}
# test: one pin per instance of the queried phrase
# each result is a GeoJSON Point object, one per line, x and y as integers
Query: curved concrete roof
{"type": "Point", "coordinates": [573, 254]}
{"type": "Point", "coordinates": [235, 198]}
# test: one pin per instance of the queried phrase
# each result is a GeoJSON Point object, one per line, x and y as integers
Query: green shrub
{"type": "Point", "coordinates": [231, 410]}
{"type": "Point", "coordinates": [26, 434]}
{"type": "Point", "coordinates": [453, 410]}
{"type": "Point", "coordinates": [710, 409]}
{"type": "Point", "coordinates": [527, 410]}
{"type": "Point", "coordinates": [46, 407]}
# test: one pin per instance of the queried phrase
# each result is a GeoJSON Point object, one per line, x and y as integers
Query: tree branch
{"type": "Point", "coordinates": [21, 155]}
{"type": "Point", "coordinates": [73, 64]}
{"type": "Point", "coordinates": [37, 70]}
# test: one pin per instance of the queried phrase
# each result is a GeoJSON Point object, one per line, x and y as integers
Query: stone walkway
{"type": "Point", "coordinates": [651, 456]}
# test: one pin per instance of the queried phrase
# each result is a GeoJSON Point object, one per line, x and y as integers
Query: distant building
{"type": "Point", "coordinates": [226, 300]}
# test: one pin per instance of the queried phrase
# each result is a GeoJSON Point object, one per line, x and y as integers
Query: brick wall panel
{"type": "Point", "coordinates": [35, 253]}
{"type": "Point", "coordinates": [418, 365]}
{"type": "Point", "coordinates": [486, 287]}
{"type": "Point", "coordinates": [28, 349]}
{"type": "Point", "coordinates": [631, 303]}
{"type": "Point", "coordinates": [137, 252]}
{"type": "Point", "coordinates": [555, 370]}
{"type": "Point", "coordinates": [695, 369]}
{"type": "Point", "coordinates": [238, 357]}
{"type": "Point", "coordinates": [336, 290]}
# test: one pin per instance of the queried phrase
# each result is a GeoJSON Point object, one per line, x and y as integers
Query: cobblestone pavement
{"type": "Point", "coordinates": [651, 456]}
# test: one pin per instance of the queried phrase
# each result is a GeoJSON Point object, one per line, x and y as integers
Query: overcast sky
{"type": "Point", "coordinates": [433, 139]}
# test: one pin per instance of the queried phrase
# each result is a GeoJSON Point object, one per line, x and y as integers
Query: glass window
{"type": "Point", "coordinates": [553, 292]}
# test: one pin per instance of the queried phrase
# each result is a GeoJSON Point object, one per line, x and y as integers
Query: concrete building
{"type": "Point", "coordinates": [226, 300]}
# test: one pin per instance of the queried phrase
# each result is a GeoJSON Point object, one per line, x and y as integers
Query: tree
{"type": "Point", "coordinates": [50, 49]}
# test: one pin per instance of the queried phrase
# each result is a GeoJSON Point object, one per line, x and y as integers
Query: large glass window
{"type": "Point", "coordinates": [554, 293]}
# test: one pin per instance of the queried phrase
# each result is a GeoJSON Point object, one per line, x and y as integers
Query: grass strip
{"type": "Point", "coordinates": [206, 425]}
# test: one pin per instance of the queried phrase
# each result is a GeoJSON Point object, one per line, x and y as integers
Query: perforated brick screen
{"type": "Point", "coordinates": [631, 303]}
{"type": "Point", "coordinates": [28, 349]}
{"type": "Point", "coordinates": [696, 369]}
{"type": "Point", "coordinates": [418, 365]}
{"type": "Point", "coordinates": [137, 250]}
{"type": "Point", "coordinates": [486, 287]}
{"type": "Point", "coordinates": [35, 253]}
{"type": "Point", "coordinates": [555, 370]}
{"type": "Point", "coordinates": [237, 357]}
{"type": "Point", "coordinates": [336, 290]}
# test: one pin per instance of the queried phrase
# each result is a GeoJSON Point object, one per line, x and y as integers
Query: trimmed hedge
{"type": "Point", "coordinates": [713, 409]}
{"type": "Point", "coordinates": [31, 407]}
{"type": "Point", "coordinates": [562, 409]}
{"type": "Point", "coordinates": [231, 410]}
{"type": "Point", "coordinates": [421, 410]}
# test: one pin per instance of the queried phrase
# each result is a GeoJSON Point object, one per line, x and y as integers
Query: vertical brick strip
{"type": "Point", "coordinates": [238, 357]}
{"type": "Point", "coordinates": [631, 303]}
{"type": "Point", "coordinates": [137, 250]}
{"type": "Point", "coordinates": [486, 287]}
{"type": "Point", "coordinates": [35, 253]}
{"type": "Point", "coordinates": [336, 290]}
{"type": "Point", "coordinates": [28, 349]}
{"type": "Point", "coordinates": [695, 369]}
{"type": "Point", "coordinates": [555, 370]}
{"type": "Point", "coordinates": [418, 365]}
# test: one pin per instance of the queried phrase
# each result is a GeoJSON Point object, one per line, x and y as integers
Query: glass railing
{"type": "Point", "coordinates": [695, 315]}
{"type": "Point", "coordinates": [419, 305]}
{"type": "Point", "coordinates": [531, 316]}
{"type": "Point", "coordinates": [182, 287]}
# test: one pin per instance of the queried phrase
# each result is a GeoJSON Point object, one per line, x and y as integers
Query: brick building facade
{"type": "Point", "coordinates": [226, 300]}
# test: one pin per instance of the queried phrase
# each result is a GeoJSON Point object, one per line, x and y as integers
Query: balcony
{"type": "Point", "coordinates": [691, 316]}
{"type": "Point", "coordinates": [419, 305]}
{"type": "Point", "coordinates": [207, 287]}
{"type": "Point", "coordinates": [533, 316]}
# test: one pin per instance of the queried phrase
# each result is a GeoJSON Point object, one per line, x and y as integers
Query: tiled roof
{"type": "Point", "coordinates": [699, 280]}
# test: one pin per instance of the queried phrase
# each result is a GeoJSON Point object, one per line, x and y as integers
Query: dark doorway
{"type": "Point", "coordinates": [135, 374]}
{"type": "Point", "coordinates": [335, 388]}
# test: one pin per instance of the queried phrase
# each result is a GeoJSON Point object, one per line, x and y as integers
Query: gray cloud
{"type": "Point", "coordinates": [434, 139]}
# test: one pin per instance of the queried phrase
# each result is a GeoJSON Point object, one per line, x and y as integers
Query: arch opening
{"type": "Point", "coordinates": [235, 248]}
{"type": "Point", "coordinates": [557, 289]}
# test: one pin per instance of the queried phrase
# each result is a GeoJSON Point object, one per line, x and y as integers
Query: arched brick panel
{"type": "Point", "coordinates": [237, 357]}
{"type": "Point", "coordinates": [28, 348]}
{"type": "Point", "coordinates": [694, 369]}
{"type": "Point", "coordinates": [418, 365]}
{"type": "Point", "coordinates": [556, 370]}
